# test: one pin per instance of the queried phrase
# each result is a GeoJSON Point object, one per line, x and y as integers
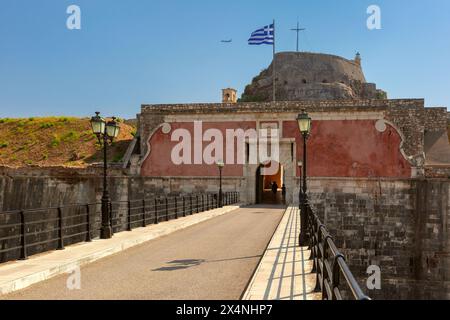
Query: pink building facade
{"type": "Point", "coordinates": [371, 139]}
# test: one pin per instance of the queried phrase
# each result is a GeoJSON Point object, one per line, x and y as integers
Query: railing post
{"type": "Point", "coordinates": [88, 223]}
{"type": "Point", "coordinates": [156, 211]}
{"type": "Point", "coordinates": [167, 209]}
{"type": "Point", "coordinates": [335, 276]}
{"type": "Point", "coordinates": [191, 209]}
{"type": "Point", "coordinates": [325, 275]}
{"type": "Point", "coordinates": [184, 206]}
{"type": "Point", "coordinates": [129, 228]}
{"type": "Point", "coordinates": [176, 208]}
{"type": "Point", "coordinates": [23, 238]}
{"type": "Point", "coordinates": [318, 257]}
{"type": "Point", "coordinates": [111, 218]}
{"type": "Point", "coordinates": [60, 230]}
{"type": "Point", "coordinates": [197, 206]}
{"type": "Point", "coordinates": [144, 220]}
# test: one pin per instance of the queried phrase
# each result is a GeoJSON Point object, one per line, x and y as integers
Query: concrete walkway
{"type": "Point", "coordinates": [285, 271]}
{"type": "Point", "coordinates": [18, 275]}
{"type": "Point", "coordinates": [212, 260]}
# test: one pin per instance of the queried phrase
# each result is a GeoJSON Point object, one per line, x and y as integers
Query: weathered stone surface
{"type": "Point", "coordinates": [311, 76]}
{"type": "Point", "coordinates": [399, 225]}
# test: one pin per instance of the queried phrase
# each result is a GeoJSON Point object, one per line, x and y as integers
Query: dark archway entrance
{"type": "Point", "coordinates": [264, 193]}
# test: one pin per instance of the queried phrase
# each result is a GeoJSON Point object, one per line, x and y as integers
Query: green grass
{"type": "Point", "coordinates": [52, 141]}
{"type": "Point", "coordinates": [117, 158]}
{"type": "Point", "coordinates": [46, 125]}
{"type": "Point", "coordinates": [5, 120]}
{"type": "Point", "coordinates": [70, 136]}
{"type": "Point", "coordinates": [56, 141]}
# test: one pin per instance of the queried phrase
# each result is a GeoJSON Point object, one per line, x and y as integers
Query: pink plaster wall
{"type": "Point", "coordinates": [350, 148]}
{"type": "Point", "coordinates": [159, 162]}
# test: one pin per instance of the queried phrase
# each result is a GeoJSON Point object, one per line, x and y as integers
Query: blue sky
{"type": "Point", "coordinates": [143, 51]}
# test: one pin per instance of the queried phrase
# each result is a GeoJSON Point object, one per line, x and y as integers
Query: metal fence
{"type": "Point", "coordinates": [28, 232]}
{"type": "Point", "coordinates": [329, 264]}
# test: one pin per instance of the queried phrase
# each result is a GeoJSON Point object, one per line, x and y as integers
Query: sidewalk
{"type": "Point", "coordinates": [18, 275]}
{"type": "Point", "coordinates": [285, 271]}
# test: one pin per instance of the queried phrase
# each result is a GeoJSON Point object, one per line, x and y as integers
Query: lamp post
{"type": "Point", "coordinates": [220, 165]}
{"type": "Point", "coordinates": [304, 124]}
{"type": "Point", "coordinates": [106, 132]}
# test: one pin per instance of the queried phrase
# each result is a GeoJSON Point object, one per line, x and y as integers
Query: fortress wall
{"type": "Point", "coordinates": [407, 116]}
{"type": "Point", "coordinates": [311, 76]}
{"type": "Point", "coordinates": [435, 119]}
{"type": "Point", "coordinates": [53, 187]}
{"type": "Point", "coordinates": [399, 224]}
{"type": "Point", "coordinates": [402, 226]}
{"type": "Point", "coordinates": [315, 67]}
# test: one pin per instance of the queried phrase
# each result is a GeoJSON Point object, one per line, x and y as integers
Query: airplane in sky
{"type": "Point", "coordinates": [227, 41]}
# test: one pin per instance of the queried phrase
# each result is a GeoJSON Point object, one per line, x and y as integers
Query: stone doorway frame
{"type": "Point", "coordinates": [288, 159]}
{"type": "Point", "coordinates": [260, 182]}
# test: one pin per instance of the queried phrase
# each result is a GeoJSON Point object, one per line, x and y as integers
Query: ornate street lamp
{"type": "Point", "coordinates": [304, 125]}
{"type": "Point", "coordinates": [106, 132]}
{"type": "Point", "coordinates": [220, 165]}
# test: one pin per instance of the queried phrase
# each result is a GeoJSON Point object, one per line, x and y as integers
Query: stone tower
{"type": "Point", "coordinates": [358, 59]}
{"type": "Point", "coordinates": [229, 95]}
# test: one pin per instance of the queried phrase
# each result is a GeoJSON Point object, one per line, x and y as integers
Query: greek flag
{"type": "Point", "coordinates": [264, 35]}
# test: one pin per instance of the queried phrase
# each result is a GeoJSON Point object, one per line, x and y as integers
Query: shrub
{"type": "Point", "coordinates": [47, 125]}
{"type": "Point", "coordinates": [3, 145]}
{"type": "Point", "coordinates": [70, 136]}
{"type": "Point", "coordinates": [117, 158]}
{"type": "Point", "coordinates": [56, 141]}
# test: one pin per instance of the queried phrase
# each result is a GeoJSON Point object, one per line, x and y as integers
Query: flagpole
{"type": "Point", "coordinates": [274, 68]}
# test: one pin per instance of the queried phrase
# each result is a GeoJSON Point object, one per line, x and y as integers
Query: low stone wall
{"type": "Point", "coordinates": [46, 187]}
{"type": "Point", "coordinates": [22, 189]}
{"type": "Point", "coordinates": [398, 225]}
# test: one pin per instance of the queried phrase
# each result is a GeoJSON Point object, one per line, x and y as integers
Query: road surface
{"type": "Point", "coordinates": [213, 260]}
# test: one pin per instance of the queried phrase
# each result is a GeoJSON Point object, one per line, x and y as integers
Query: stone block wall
{"type": "Point", "coordinates": [23, 189]}
{"type": "Point", "coordinates": [435, 119]}
{"type": "Point", "coordinates": [399, 225]}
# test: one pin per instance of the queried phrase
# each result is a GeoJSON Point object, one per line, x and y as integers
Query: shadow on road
{"type": "Point", "coordinates": [181, 264]}
{"type": "Point", "coordinates": [190, 263]}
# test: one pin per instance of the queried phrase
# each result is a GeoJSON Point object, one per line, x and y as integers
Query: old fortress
{"type": "Point", "coordinates": [378, 168]}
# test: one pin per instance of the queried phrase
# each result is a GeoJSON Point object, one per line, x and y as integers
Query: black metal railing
{"type": "Point", "coordinates": [28, 232]}
{"type": "Point", "coordinates": [329, 264]}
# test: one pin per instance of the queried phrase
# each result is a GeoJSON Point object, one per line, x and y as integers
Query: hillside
{"type": "Point", "coordinates": [56, 141]}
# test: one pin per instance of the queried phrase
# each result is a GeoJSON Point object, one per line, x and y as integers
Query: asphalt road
{"type": "Point", "coordinates": [213, 260]}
